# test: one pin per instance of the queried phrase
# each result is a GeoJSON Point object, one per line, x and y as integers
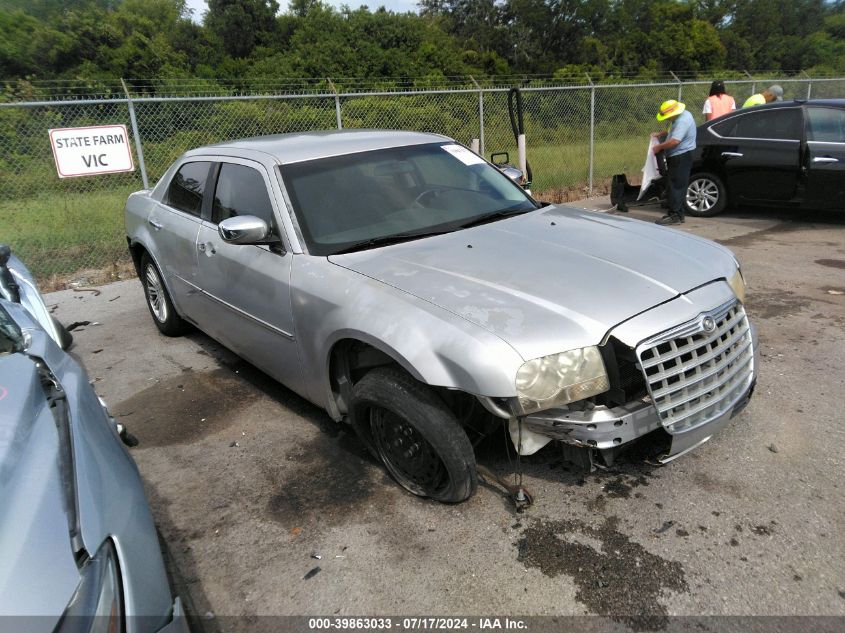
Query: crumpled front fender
{"type": "Point", "coordinates": [333, 304]}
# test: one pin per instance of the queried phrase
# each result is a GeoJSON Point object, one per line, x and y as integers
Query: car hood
{"type": "Point", "coordinates": [38, 575]}
{"type": "Point", "coordinates": [550, 280]}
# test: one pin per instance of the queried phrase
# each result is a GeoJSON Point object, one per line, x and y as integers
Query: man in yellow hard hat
{"type": "Point", "coordinates": [679, 146]}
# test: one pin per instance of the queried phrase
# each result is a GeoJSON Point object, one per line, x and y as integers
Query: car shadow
{"type": "Point", "coordinates": [184, 577]}
{"type": "Point", "coordinates": [257, 379]}
{"type": "Point", "coordinates": [631, 467]}
{"type": "Point", "coordinates": [651, 211]}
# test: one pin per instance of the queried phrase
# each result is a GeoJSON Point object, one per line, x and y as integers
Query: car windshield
{"type": "Point", "coordinates": [369, 199]}
{"type": "Point", "coordinates": [11, 339]}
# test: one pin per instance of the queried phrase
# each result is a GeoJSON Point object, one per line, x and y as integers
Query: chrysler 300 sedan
{"type": "Point", "coordinates": [407, 286]}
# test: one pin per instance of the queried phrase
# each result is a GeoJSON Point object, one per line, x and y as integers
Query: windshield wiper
{"type": "Point", "coordinates": [495, 215]}
{"type": "Point", "coordinates": [386, 240]}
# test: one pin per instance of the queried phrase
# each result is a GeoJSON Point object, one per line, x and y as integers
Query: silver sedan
{"type": "Point", "coordinates": [407, 286]}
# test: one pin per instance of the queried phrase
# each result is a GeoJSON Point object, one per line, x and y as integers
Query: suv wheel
{"type": "Point", "coordinates": [706, 196]}
{"type": "Point", "coordinates": [417, 438]}
{"type": "Point", "coordinates": [164, 316]}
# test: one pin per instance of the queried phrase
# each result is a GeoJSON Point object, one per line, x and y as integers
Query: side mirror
{"type": "Point", "coordinates": [500, 160]}
{"type": "Point", "coordinates": [513, 173]}
{"type": "Point", "coordinates": [243, 229]}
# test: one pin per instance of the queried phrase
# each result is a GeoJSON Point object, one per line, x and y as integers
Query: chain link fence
{"type": "Point", "coordinates": [70, 231]}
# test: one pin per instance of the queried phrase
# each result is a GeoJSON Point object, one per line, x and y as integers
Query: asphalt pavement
{"type": "Point", "coordinates": [266, 506]}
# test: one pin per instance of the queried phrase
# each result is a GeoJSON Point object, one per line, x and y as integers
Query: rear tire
{"type": "Point", "coordinates": [706, 195]}
{"type": "Point", "coordinates": [415, 435]}
{"type": "Point", "coordinates": [161, 308]}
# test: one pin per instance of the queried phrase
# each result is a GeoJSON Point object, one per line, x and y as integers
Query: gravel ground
{"type": "Point", "coordinates": [247, 481]}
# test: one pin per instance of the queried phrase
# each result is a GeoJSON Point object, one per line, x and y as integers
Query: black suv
{"type": "Point", "coordinates": [789, 153]}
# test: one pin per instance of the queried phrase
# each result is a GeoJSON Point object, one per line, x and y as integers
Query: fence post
{"type": "Point", "coordinates": [809, 84]}
{"type": "Point", "coordinates": [480, 116]}
{"type": "Point", "coordinates": [753, 82]}
{"type": "Point", "coordinates": [680, 85]}
{"type": "Point", "coordinates": [136, 135]}
{"type": "Point", "coordinates": [336, 104]}
{"type": "Point", "coordinates": [592, 133]}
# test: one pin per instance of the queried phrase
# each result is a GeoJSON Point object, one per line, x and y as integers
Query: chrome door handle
{"type": "Point", "coordinates": [156, 225]}
{"type": "Point", "coordinates": [731, 155]}
{"type": "Point", "coordinates": [207, 248]}
{"type": "Point", "coordinates": [825, 159]}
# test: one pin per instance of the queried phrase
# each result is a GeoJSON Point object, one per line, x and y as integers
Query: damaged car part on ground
{"type": "Point", "coordinates": [80, 546]}
{"type": "Point", "coordinates": [404, 284]}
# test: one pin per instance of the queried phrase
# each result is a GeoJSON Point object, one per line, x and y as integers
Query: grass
{"type": "Point", "coordinates": [61, 235]}
{"type": "Point", "coordinates": [64, 237]}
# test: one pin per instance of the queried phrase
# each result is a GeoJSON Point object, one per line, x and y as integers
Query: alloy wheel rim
{"type": "Point", "coordinates": [702, 194]}
{"type": "Point", "coordinates": [406, 454]}
{"type": "Point", "coordinates": [155, 294]}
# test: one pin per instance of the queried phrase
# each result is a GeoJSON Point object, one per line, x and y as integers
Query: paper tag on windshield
{"type": "Point", "coordinates": [463, 154]}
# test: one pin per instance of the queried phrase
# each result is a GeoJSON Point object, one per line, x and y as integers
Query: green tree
{"type": "Point", "coordinates": [241, 24]}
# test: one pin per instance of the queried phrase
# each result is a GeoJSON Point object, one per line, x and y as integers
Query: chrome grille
{"type": "Point", "coordinates": [693, 375]}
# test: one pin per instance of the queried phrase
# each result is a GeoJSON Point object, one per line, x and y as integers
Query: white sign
{"type": "Point", "coordinates": [463, 154]}
{"type": "Point", "coordinates": [86, 151]}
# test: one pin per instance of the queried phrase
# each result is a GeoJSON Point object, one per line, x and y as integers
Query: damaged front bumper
{"type": "Point", "coordinates": [603, 428]}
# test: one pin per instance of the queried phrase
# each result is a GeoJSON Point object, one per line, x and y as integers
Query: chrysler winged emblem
{"type": "Point", "coordinates": [708, 324]}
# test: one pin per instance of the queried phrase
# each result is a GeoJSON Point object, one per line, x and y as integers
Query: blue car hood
{"type": "Point", "coordinates": [38, 575]}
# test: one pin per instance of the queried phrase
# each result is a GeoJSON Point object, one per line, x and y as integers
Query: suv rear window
{"type": "Point", "coordinates": [188, 187]}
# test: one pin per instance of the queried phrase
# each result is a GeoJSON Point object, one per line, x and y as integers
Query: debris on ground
{"type": "Point", "coordinates": [94, 290]}
{"type": "Point", "coordinates": [317, 556]}
{"type": "Point", "coordinates": [666, 525]}
{"type": "Point", "coordinates": [311, 574]}
{"type": "Point", "coordinates": [773, 448]}
{"type": "Point", "coordinates": [77, 324]}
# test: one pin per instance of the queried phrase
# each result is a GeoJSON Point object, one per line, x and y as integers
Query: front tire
{"type": "Point", "coordinates": [415, 435]}
{"type": "Point", "coordinates": [161, 308]}
{"type": "Point", "coordinates": [706, 196]}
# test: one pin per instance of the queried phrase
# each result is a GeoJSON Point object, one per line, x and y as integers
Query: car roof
{"type": "Point", "coordinates": [300, 146]}
{"type": "Point", "coordinates": [840, 103]}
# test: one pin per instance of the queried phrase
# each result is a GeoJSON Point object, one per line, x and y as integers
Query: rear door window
{"type": "Point", "coordinates": [241, 190]}
{"type": "Point", "coordinates": [826, 125]}
{"type": "Point", "coordinates": [775, 124]}
{"type": "Point", "coordinates": [187, 188]}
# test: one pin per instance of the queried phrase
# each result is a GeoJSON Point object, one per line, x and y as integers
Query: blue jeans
{"type": "Point", "coordinates": [679, 166]}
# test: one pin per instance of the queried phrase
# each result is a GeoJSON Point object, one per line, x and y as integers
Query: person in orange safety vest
{"type": "Point", "coordinates": [719, 102]}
